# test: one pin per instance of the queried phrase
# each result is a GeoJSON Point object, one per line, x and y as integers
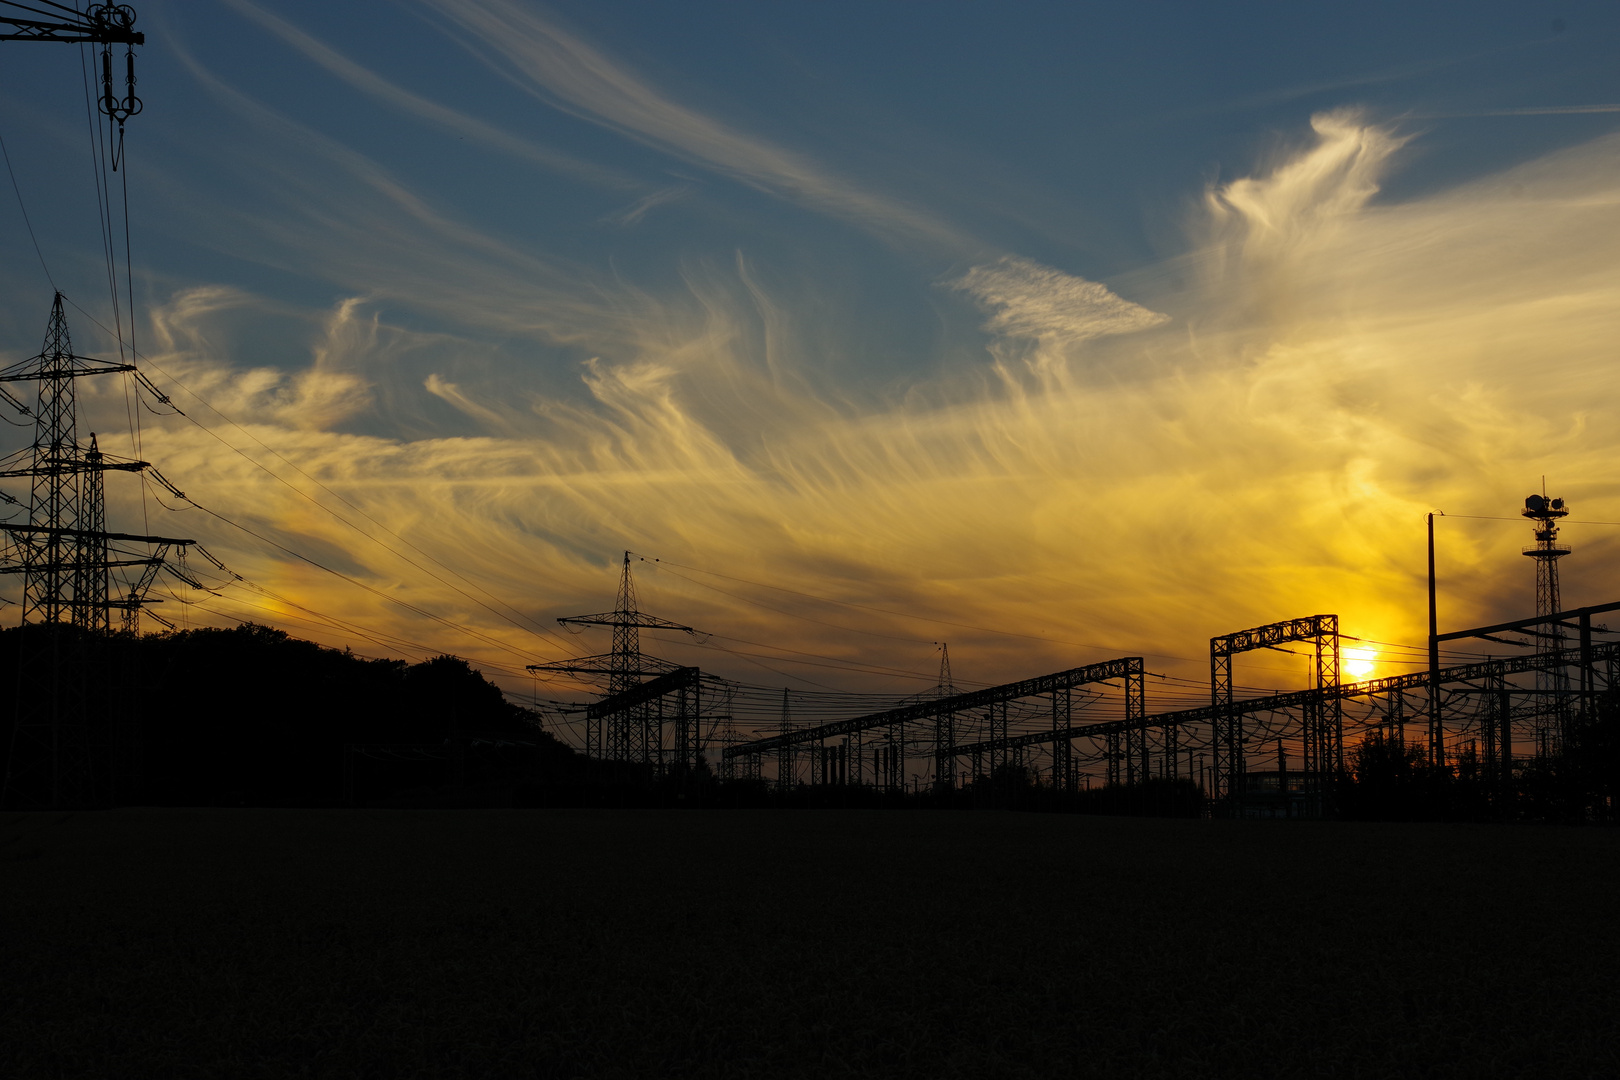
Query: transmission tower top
{"type": "Point", "coordinates": [626, 665]}
{"type": "Point", "coordinates": [99, 24]}
{"type": "Point", "coordinates": [1545, 512]}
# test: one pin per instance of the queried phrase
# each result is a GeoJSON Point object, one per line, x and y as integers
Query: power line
{"type": "Point", "coordinates": [356, 582]}
{"type": "Point", "coordinates": [898, 614]}
{"type": "Point", "coordinates": [18, 190]}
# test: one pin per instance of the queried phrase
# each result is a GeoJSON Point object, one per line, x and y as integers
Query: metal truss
{"type": "Point", "coordinates": [1324, 721]}
{"type": "Point", "coordinates": [1491, 672]}
{"type": "Point", "coordinates": [645, 706]}
{"type": "Point", "coordinates": [944, 712]}
{"type": "Point", "coordinates": [1552, 676]}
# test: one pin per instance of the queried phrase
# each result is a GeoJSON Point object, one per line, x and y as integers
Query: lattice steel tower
{"type": "Point", "coordinates": [59, 743]}
{"type": "Point", "coordinates": [786, 768]}
{"type": "Point", "coordinates": [634, 734]}
{"type": "Point", "coordinates": [1552, 683]}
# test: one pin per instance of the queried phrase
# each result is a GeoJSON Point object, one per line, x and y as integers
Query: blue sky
{"type": "Point", "coordinates": [1130, 324]}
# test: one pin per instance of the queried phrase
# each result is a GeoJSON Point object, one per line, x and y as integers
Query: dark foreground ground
{"type": "Point", "coordinates": [241, 943]}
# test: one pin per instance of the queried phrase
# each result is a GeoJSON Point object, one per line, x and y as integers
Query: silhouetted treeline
{"type": "Point", "coordinates": [252, 716]}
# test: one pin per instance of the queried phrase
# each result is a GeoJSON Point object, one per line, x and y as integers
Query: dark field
{"type": "Point", "coordinates": [277, 943]}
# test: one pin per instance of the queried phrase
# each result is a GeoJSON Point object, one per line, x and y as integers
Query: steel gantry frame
{"type": "Point", "coordinates": [1492, 672]}
{"type": "Point", "coordinates": [943, 712]}
{"type": "Point", "coordinates": [1553, 674]}
{"type": "Point", "coordinates": [645, 702]}
{"type": "Point", "coordinates": [1316, 713]}
{"type": "Point", "coordinates": [1324, 720]}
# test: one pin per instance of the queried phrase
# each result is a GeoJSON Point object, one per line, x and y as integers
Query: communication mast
{"type": "Point", "coordinates": [1552, 682]}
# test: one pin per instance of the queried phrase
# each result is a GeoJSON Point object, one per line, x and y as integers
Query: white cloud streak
{"type": "Point", "coordinates": [370, 83]}
{"type": "Point", "coordinates": [567, 73]}
{"type": "Point", "coordinates": [1030, 300]}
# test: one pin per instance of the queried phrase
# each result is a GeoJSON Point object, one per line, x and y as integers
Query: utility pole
{"type": "Point", "coordinates": [1437, 742]}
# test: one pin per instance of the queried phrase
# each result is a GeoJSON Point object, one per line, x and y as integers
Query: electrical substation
{"type": "Point", "coordinates": [1110, 724]}
{"type": "Point", "coordinates": [1266, 754]}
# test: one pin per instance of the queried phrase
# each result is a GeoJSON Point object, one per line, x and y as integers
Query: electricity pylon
{"type": "Point", "coordinates": [60, 746]}
{"type": "Point", "coordinates": [785, 767]}
{"type": "Point", "coordinates": [632, 734]}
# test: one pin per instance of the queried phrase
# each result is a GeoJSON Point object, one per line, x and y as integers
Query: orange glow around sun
{"type": "Point", "coordinates": [1360, 662]}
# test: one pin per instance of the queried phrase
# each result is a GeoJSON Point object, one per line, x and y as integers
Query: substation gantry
{"type": "Point", "coordinates": [1472, 701]}
{"type": "Point", "coordinates": [1322, 722]}
{"type": "Point", "coordinates": [844, 762]}
{"type": "Point", "coordinates": [675, 697]}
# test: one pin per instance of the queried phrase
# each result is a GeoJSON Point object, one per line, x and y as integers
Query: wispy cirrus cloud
{"type": "Point", "coordinates": [639, 209]}
{"type": "Point", "coordinates": [1027, 299]}
{"type": "Point", "coordinates": [566, 72]}
{"type": "Point", "coordinates": [1335, 367]}
{"type": "Point", "coordinates": [370, 83]}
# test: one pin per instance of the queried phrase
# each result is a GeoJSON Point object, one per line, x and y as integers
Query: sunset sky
{"type": "Point", "coordinates": [1058, 332]}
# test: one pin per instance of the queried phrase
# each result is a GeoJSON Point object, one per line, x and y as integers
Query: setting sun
{"type": "Point", "coordinates": [1359, 662]}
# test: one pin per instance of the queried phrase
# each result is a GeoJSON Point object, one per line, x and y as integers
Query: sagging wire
{"type": "Point", "coordinates": [18, 190]}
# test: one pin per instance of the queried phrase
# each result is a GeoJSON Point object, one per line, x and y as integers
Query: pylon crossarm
{"type": "Point", "coordinates": [96, 565]}
{"type": "Point", "coordinates": [603, 665]}
{"type": "Point", "coordinates": [114, 461]}
{"type": "Point", "coordinates": [75, 465]}
{"type": "Point", "coordinates": [102, 25]}
{"type": "Point", "coordinates": [620, 618]}
{"type": "Point", "coordinates": [87, 534]}
{"type": "Point", "coordinates": [137, 591]}
{"type": "Point", "coordinates": [27, 372]}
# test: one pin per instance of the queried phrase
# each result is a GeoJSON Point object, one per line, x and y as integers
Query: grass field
{"type": "Point", "coordinates": [273, 943]}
